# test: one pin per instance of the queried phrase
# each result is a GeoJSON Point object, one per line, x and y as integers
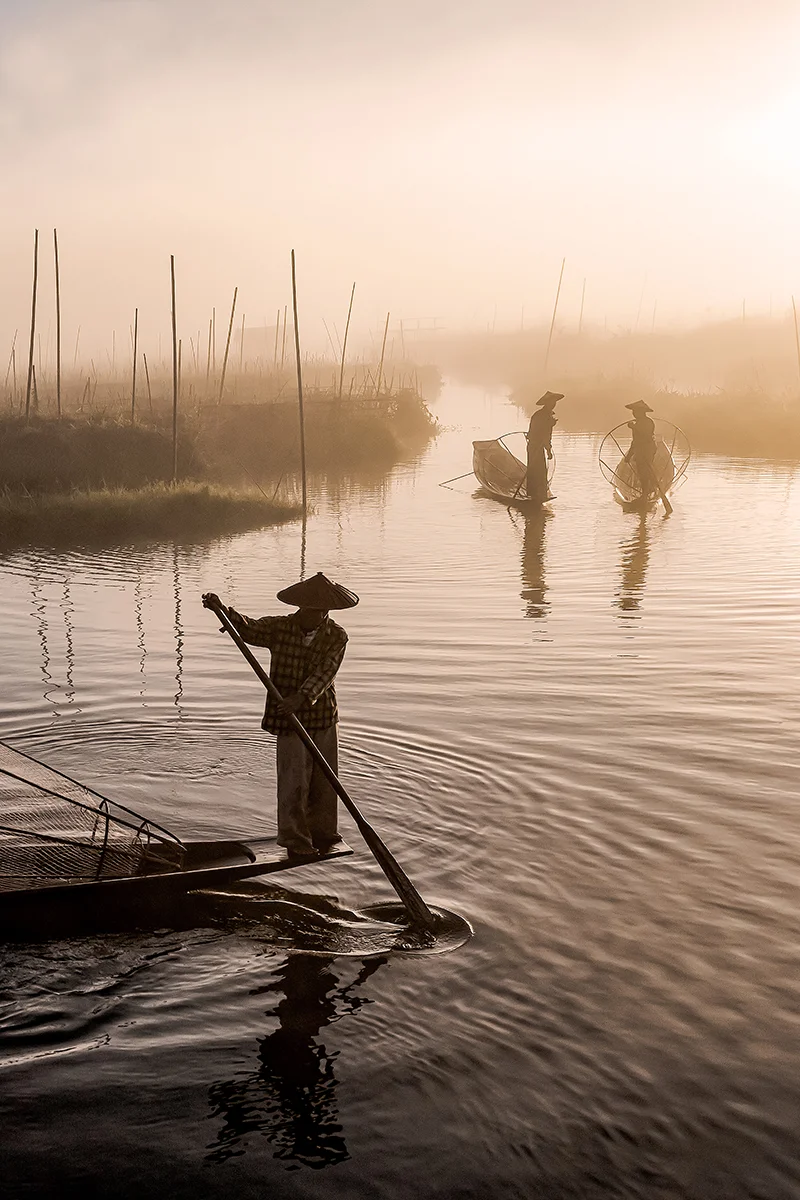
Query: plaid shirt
{"type": "Point", "coordinates": [296, 667]}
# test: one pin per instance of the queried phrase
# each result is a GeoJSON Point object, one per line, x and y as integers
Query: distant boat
{"type": "Point", "coordinates": [501, 473]}
{"type": "Point", "coordinates": [70, 858]}
{"type": "Point", "coordinates": [618, 465]}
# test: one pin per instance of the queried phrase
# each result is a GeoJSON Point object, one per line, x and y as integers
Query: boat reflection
{"type": "Point", "coordinates": [534, 589]}
{"type": "Point", "coordinates": [291, 1097]}
{"type": "Point", "coordinates": [635, 557]}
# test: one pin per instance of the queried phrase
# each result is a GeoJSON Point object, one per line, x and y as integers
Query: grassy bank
{"type": "Point", "coordinates": [731, 386]}
{"type": "Point", "coordinates": [108, 515]}
{"type": "Point", "coordinates": [742, 424]}
{"type": "Point", "coordinates": [216, 442]}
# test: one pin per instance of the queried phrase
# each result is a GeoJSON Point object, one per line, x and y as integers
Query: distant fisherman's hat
{"type": "Point", "coordinates": [640, 406]}
{"type": "Point", "coordinates": [549, 399]}
{"type": "Point", "coordinates": [318, 592]}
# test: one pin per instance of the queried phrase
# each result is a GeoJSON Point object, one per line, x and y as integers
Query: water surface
{"type": "Point", "coordinates": [578, 729]}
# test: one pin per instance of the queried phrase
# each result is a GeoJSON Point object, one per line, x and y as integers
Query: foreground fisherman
{"type": "Point", "coordinates": [306, 649]}
{"type": "Point", "coordinates": [642, 452]}
{"type": "Point", "coordinates": [540, 448]}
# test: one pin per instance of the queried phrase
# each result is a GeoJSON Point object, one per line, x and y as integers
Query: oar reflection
{"type": "Point", "coordinates": [291, 1097]}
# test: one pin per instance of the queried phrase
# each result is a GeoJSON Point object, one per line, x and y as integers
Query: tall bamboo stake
{"type": "Point", "coordinates": [344, 343]}
{"type": "Point", "coordinates": [796, 334]}
{"type": "Point", "coordinates": [135, 353]}
{"type": "Point", "coordinates": [277, 331]}
{"type": "Point", "coordinates": [299, 382]}
{"type": "Point", "coordinates": [383, 351]}
{"type": "Point", "coordinates": [330, 339]}
{"type": "Point", "coordinates": [174, 374]}
{"type": "Point", "coordinates": [553, 319]}
{"type": "Point", "coordinates": [33, 324]}
{"type": "Point", "coordinates": [227, 348]}
{"type": "Point", "coordinates": [214, 340]}
{"type": "Point", "coordinates": [75, 355]}
{"type": "Point", "coordinates": [58, 327]}
{"type": "Point", "coordinates": [580, 318]}
{"type": "Point", "coordinates": [283, 343]}
{"type": "Point", "coordinates": [10, 357]}
{"type": "Point", "coordinates": [147, 377]}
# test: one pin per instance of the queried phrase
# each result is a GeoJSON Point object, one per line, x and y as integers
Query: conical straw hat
{"type": "Point", "coordinates": [318, 592]}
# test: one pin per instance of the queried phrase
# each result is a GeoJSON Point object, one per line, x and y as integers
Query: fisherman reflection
{"type": "Point", "coordinates": [291, 1097]}
{"type": "Point", "coordinates": [635, 556]}
{"type": "Point", "coordinates": [534, 586]}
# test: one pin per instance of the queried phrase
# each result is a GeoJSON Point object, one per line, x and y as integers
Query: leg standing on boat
{"type": "Point", "coordinates": [306, 651]}
{"type": "Point", "coordinates": [540, 449]}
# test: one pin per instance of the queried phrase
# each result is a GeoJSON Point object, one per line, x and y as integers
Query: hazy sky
{"type": "Point", "coordinates": [446, 154]}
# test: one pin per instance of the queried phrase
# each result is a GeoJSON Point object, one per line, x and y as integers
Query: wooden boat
{"type": "Point", "coordinates": [500, 472]}
{"type": "Point", "coordinates": [72, 859]}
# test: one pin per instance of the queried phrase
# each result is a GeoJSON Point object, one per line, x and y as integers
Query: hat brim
{"type": "Point", "coordinates": [318, 592]}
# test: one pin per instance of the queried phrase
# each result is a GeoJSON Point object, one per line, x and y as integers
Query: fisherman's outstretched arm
{"type": "Point", "coordinates": [258, 631]}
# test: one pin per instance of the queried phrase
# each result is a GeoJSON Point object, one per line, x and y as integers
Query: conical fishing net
{"type": "Point", "coordinates": [53, 830]}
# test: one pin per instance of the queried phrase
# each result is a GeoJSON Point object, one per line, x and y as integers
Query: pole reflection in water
{"type": "Point", "coordinates": [179, 634]}
{"type": "Point", "coordinates": [141, 646]}
{"type": "Point", "coordinates": [534, 588]}
{"type": "Point", "coordinates": [69, 637]}
{"type": "Point", "coordinates": [291, 1097]}
{"type": "Point", "coordinates": [635, 556]}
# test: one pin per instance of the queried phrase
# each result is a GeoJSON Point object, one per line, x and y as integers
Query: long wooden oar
{"type": "Point", "coordinates": [416, 907]}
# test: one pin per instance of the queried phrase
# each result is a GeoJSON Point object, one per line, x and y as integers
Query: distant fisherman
{"type": "Point", "coordinates": [540, 449]}
{"type": "Point", "coordinates": [642, 452]}
{"type": "Point", "coordinates": [306, 649]}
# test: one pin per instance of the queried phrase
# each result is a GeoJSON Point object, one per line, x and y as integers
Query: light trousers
{"type": "Point", "coordinates": [307, 803]}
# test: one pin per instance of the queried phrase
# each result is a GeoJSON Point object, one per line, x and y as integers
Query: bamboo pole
{"type": "Point", "coordinates": [344, 343]}
{"type": "Point", "coordinates": [330, 339]}
{"type": "Point", "coordinates": [796, 334]}
{"type": "Point", "coordinates": [58, 327]}
{"type": "Point", "coordinates": [283, 343]}
{"type": "Point", "coordinates": [75, 355]}
{"type": "Point", "coordinates": [10, 357]}
{"type": "Point", "coordinates": [227, 348]}
{"type": "Point", "coordinates": [135, 354]}
{"type": "Point", "coordinates": [208, 359]}
{"type": "Point", "coordinates": [277, 331]}
{"type": "Point", "coordinates": [299, 382]}
{"type": "Point", "coordinates": [174, 374]}
{"type": "Point", "coordinates": [553, 319]}
{"type": "Point", "coordinates": [383, 351]}
{"type": "Point", "coordinates": [33, 324]}
{"type": "Point", "coordinates": [214, 341]}
{"type": "Point", "coordinates": [147, 377]}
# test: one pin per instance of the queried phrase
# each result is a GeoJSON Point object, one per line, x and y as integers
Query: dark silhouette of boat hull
{"type": "Point", "coordinates": [144, 900]}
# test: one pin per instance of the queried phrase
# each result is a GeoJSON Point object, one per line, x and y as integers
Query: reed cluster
{"type": "Point", "coordinates": [188, 511]}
